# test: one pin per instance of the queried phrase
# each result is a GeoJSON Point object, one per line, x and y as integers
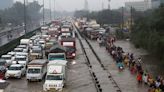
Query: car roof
{"type": "Point", "coordinates": [18, 56]}
{"type": "Point", "coordinates": [6, 56]}
{"type": "Point", "coordinates": [16, 65]}
{"type": "Point", "coordinates": [18, 48]}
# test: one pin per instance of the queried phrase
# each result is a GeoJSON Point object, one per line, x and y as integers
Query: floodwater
{"type": "Point", "coordinates": [153, 65]}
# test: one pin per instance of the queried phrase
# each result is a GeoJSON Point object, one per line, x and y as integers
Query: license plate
{"type": "Point", "coordinates": [12, 75]}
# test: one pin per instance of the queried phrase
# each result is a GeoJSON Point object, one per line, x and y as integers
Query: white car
{"type": "Point", "coordinates": [12, 53]}
{"type": "Point", "coordinates": [15, 70]}
{"type": "Point", "coordinates": [18, 50]}
{"type": "Point", "coordinates": [8, 59]}
{"type": "Point", "coordinates": [23, 60]}
{"type": "Point", "coordinates": [25, 47]}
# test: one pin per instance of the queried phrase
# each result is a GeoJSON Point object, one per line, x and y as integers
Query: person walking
{"type": "Point", "coordinates": [139, 78]}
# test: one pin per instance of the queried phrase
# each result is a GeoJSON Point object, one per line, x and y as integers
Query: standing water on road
{"type": "Point", "coordinates": [150, 62]}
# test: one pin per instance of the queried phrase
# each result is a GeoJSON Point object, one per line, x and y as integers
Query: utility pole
{"type": "Point", "coordinates": [131, 18]}
{"type": "Point", "coordinates": [109, 4]}
{"type": "Point", "coordinates": [86, 5]}
{"type": "Point", "coordinates": [122, 19]}
{"type": "Point", "coordinates": [25, 17]}
{"type": "Point", "coordinates": [50, 10]}
{"type": "Point", "coordinates": [43, 14]}
{"type": "Point", "coordinates": [54, 9]}
{"type": "Point", "coordinates": [102, 5]}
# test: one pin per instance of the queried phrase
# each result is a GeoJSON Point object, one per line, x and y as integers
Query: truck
{"type": "Point", "coordinates": [36, 70]}
{"type": "Point", "coordinates": [56, 56]}
{"type": "Point", "coordinates": [70, 44]}
{"type": "Point", "coordinates": [56, 75]}
{"type": "Point", "coordinates": [36, 53]}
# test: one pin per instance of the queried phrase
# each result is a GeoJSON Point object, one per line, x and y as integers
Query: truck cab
{"type": "Point", "coordinates": [36, 70]}
{"type": "Point", "coordinates": [70, 44]}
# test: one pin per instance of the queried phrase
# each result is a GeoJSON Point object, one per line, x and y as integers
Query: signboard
{"type": "Point", "coordinates": [68, 44]}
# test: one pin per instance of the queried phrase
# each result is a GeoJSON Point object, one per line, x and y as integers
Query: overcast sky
{"type": "Point", "coordinates": [71, 5]}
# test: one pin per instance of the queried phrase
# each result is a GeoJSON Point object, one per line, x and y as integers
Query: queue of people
{"type": "Point", "coordinates": [127, 60]}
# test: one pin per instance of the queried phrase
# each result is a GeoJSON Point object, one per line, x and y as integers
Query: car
{"type": "Point", "coordinates": [15, 70]}
{"type": "Point", "coordinates": [25, 47]}
{"type": "Point", "coordinates": [8, 59]}
{"type": "Point", "coordinates": [23, 60]}
{"type": "Point", "coordinates": [18, 50]}
{"type": "Point", "coordinates": [12, 53]}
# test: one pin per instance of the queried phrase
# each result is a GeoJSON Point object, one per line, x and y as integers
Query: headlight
{"type": "Point", "coordinates": [73, 54]}
{"type": "Point", "coordinates": [18, 74]}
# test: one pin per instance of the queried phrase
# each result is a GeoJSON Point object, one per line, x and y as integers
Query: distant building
{"type": "Point", "coordinates": [6, 3]}
{"type": "Point", "coordinates": [144, 5]}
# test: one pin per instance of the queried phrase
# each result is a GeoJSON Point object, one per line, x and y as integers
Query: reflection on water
{"type": "Point", "coordinates": [151, 63]}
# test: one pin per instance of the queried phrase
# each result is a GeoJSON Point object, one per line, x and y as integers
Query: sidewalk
{"type": "Point", "coordinates": [126, 81]}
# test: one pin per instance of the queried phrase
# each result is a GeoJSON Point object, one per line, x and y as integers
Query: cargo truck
{"type": "Point", "coordinates": [56, 75]}
{"type": "Point", "coordinates": [36, 70]}
{"type": "Point", "coordinates": [70, 44]}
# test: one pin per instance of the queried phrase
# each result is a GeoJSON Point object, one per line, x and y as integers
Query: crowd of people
{"type": "Point", "coordinates": [127, 60]}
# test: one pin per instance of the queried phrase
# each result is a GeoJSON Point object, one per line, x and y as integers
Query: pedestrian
{"type": "Point", "coordinates": [131, 58]}
{"type": "Point", "coordinates": [138, 66]}
{"type": "Point", "coordinates": [140, 60]}
{"type": "Point", "coordinates": [126, 60]}
{"type": "Point", "coordinates": [158, 90]}
{"type": "Point", "coordinates": [145, 78]}
{"type": "Point", "coordinates": [151, 89]}
{"type": "Point", "coordinates": [157, 83]}
{"type": "Point", "coordinates": [139, 78]}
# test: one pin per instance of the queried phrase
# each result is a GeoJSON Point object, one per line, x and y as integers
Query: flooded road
{"type": "Point", "coordinates": [153, 65]}
{"type": "Point", "coordinates": [78, 78]}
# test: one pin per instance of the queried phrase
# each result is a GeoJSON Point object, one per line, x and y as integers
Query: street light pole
{"type": "Point", "coordinates": [43, 13]}
{"type": "Point", "coordinates": [54, 9]}
{"type": "Point", "coordinates": [50, 10]}
{"type": "Point", "coordinates": [122, 19]}
{"type": "Point", "coordinates": [25, 17]}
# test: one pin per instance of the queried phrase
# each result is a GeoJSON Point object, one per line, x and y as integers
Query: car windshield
{"type": "Point", "coordinates": [20, 59]}
{"type": "Point", "coordinates": [6, 58]}
{"type": "Point", "coordinates": [53, 57]}
{"type": "Point", "coordinates": [18, 50]}
{"type": "Point", "coordinates": [2, 63]}
{"type": "Point", "coordinates": [14, 68]}
{"type": "Point", "coordinates": [54, 77]}
{"type": "Point", "coordinates": [33, 71]}
{"type": "Point", "coordinates": [36, 51]}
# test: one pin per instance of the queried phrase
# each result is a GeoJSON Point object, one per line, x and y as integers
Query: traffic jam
{"type": "Point", "coordinates": [43, 57]}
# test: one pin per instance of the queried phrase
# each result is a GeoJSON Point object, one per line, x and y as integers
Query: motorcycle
{"type": "Point", "coordinates": [120, 66]}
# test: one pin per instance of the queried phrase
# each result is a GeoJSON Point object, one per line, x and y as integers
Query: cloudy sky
{"type": "Point", "coordinates": [71, 5]}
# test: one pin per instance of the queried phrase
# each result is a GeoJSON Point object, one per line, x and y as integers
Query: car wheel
{"type": "Point", "coordinates": [39, 80]}
{"type": "Point", "coordinates": [19, 77]}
